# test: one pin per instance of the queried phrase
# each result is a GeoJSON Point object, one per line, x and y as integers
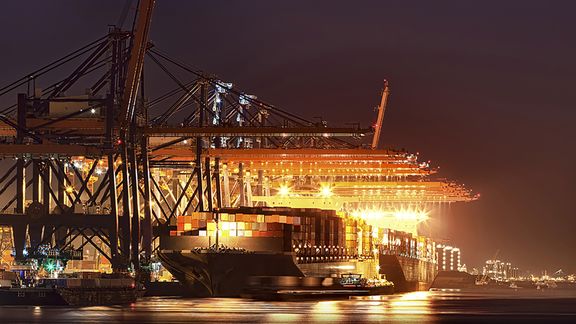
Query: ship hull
{"type": "Point", "coordinates": [454, 280]}
{"type": "Point", "coordinates": [407, 274]}
{"type": "Point", "coordinates": [215, 274]}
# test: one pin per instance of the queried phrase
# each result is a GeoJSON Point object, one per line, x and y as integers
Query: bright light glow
{"type": "Point", "coordinates": [399, 219]}
{"type": "Point", "coordinates": [402, 214]}
{"type": "Point", "coordinates": [69, 189]}
{"type": "Point", "coordinates": [284, 190]}
{"type": "Point", "coordinates": [326, 191]}
{"type": "Point", "coordinates": [343, 267]}
{"type": "Point", "coordinates": [92, 111]}
{"type": "Point", "coordinates": [411, 215]}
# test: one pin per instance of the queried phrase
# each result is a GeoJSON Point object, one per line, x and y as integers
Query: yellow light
{"type": "Point", "coordinates": [69, 189]}
{"type": "Point", "coordinates": [284, 190]}
{"type": "Point", "coordinates": [326, 191]}
{"type": "Point", "coordinates": [402, 215]}
{"type": "Point", "coordinates": [411, 215]}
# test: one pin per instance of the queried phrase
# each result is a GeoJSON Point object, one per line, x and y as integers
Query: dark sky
{"type": "Point", "coordinates": [484, 89]}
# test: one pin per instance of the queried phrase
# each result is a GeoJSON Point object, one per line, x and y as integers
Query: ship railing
{"type": "Point", "coordinates": [342, 258]}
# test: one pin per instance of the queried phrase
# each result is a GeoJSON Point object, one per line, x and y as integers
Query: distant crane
{"type": "Point", "coordinates": [380, 119]}
{"type": "Point", "coordinates": [484, 279]}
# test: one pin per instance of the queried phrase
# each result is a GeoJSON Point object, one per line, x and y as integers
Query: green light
{"type": "Point", "coordinates": [50, 267]}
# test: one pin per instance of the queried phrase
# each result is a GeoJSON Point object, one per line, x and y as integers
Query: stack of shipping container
{"type": "Point", "coordinates": [405, 244]}
{"type": "Point", "coordinates": [313, 232]}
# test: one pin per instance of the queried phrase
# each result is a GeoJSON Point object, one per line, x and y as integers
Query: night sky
{"type": "Point", "coordinates": [484, 90]}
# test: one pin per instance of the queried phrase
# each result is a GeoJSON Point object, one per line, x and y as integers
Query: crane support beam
{"type": "Point", "coordinates": [136, 61]}
{"type": "Point", "coordinates": [380, 119]}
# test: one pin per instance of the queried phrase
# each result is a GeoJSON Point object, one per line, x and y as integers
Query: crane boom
{"type": "Point", "coordinates": [136, 61]}
{"type": "Point", "coordinates": [381, 110]}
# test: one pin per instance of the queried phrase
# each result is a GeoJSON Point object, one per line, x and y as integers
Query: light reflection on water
{"type": "Point", "coordinates": [408, 307]}
{"type": "Point", "coordinates": [327, 311]}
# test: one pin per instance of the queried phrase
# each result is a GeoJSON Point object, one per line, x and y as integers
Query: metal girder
{"type": "Point", "coordinates": [73, 219]}
{"type": "Point", "coordinates": [10, 150]}
{"type": "Point", "coordinates": [253, 131]}
{"type": "Point", "coordinates": [308, 154]}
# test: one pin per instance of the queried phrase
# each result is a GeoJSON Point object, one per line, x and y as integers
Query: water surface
{"type": "Point", "coordinates": [482, 306]}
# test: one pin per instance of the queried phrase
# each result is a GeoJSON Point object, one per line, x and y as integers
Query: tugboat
{"type": "Point", "coordinates": [298, 288]}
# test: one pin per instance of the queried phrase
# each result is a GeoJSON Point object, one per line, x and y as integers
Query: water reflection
{"type": "Point", "coordinates": [283, 318]}
{"type": "Point", "coordinates": [327, 311]}
{"type": "Point", "coordinates": [416, 303]}
{"type": "Point", "coordinates": [409, 307]}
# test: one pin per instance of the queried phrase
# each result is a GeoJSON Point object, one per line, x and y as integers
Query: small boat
{"type": "Point", "coordinates": [295, 288]}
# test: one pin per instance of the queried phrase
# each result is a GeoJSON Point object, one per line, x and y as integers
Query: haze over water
{"type": "Point", "coordinates": [423, 306]}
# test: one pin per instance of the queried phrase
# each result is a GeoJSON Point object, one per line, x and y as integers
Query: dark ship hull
{"type": "Point", "coordinates": [454, 280]}
{"type": "Point", "coordinates": [408, 274]}
{"type": "Point", "coordinates": [228, 274]}
{"type": "Point", "coordinates": [221, 274]}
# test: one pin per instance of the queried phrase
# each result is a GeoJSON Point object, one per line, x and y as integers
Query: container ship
{"type": "Point", "coordinates": [216, 254]}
